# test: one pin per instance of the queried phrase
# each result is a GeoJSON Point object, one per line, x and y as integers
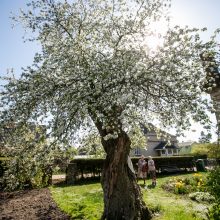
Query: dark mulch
{"type": "Point", "coordinates": [35, 204]}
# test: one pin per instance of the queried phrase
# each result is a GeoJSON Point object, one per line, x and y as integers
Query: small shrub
{"type": "Point", "coordinates": [201, 212]}
{"type": "Point", "coordinates": [185, 185]}
{"type": "Point", "coordinates": [180, 187]}
{"type": "Point", "coordinates": [23, 174]}
{"type": "Point", "coordinates": [214, 212]}
{"type": "Point", "coordinates": [213, 183]}
{"type": "Point", "coordinates": [201, 197]}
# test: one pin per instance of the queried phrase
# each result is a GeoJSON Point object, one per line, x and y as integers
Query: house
{"type": "Point", "coordinates": [186, 147]}
{"type": "Point", "coordinates": [157, 146]}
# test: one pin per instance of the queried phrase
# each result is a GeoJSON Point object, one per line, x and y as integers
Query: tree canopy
{"type": "Point", "coordinates": [96, 63]}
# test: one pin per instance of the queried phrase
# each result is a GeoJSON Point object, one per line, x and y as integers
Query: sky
{"type": "Point", "coordinates": [14, 53]}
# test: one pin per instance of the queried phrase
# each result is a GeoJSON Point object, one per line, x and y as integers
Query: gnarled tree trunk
{"type": "Point", "coordinates": [122, 195]}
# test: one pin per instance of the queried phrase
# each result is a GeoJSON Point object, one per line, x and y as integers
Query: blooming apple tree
{"type": "Point", "coordinates": [97, 69]}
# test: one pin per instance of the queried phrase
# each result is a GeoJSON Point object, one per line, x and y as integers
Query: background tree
{"type": "Point", "coordinates": [205, 138]}
{"type": "Point", "coordinates": [211, 64]}
{"type": "Point", "coordinates": [62, 155]}
{"type": "Point", "coordinates": [29, 156]}
{"type": "Point", "coordinates": [91, 145]}
{"type": "Point", "coordinates": [208, 149]}
{"type": "Point", "coordinates": [96, 69]}
{"type": "Point", "coordinates": [137, 137]}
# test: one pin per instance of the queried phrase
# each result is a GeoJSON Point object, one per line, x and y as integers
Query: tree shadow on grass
{"type": "Point", "coordinates": [78, 182]}
{"type": "Point", "coordinates": [94, 180]}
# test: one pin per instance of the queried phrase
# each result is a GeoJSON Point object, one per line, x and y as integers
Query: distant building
{"type": "Point", "coordinates": [157, 146]}
{"type": "Point", "coordinates": [185, 147]}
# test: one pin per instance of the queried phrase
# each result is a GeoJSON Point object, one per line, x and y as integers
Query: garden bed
{"type": "Point", "coordinates": [29, 204]}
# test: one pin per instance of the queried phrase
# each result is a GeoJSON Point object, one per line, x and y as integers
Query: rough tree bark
{"type": "Point", "coordinates": [122, 195]}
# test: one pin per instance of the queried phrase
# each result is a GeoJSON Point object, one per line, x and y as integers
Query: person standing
{"type": "Point", "coordinates": [142, 168]}
{"type": "Point", "coordinates": [152, 170]}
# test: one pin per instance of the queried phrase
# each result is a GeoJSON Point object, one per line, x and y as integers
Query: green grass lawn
{"type": "Point", "coordinates": [172, 206]}
{"type": "Point", "coordinates": [80, 201]}
{"type": "Point", "coordinates": [86, 202]}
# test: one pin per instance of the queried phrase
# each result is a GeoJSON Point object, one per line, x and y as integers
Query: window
{"type": "Point", "coordinates": [137, 151]}
{"type": "Point", "coordinates": [175, 151]}
{"type": "Point", "coordinates": [170, 151]}
{"type": "Point", "coordinates": [163, 152]}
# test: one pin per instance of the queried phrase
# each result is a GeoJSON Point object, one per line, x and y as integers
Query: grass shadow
{"type": "Point", "coordinates": [94, 180]}
{"type": "Point", "coordinates": [78, 182]}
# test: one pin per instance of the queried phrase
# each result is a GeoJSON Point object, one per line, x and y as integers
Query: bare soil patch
{"type": "Point", "coordinates": [35, 204]}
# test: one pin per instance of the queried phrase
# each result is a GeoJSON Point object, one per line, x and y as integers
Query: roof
{"type": "Point", "coordinates": [151, 130]}
{"type": "Point", "coordinates": [164, 145]}
{"type": "Point", "coordinates": [186, 144]}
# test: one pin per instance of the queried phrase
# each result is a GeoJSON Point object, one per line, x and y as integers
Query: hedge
{"type": "Point", "coordinates": [92, 168]}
